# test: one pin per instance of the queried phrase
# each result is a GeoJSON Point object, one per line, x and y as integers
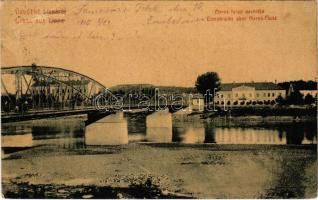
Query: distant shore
{"type": "Point", "coordinates": [250, 116]}
{"type": "Point", "coordinates": [299, 111]}
{"type": "Point", "coordinates": [296, 111]}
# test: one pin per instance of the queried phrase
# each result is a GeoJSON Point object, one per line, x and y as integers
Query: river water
{"type": "Point", "coordinates": [159, 127]}
{"type": "Point", "coordinates": [53, 158]}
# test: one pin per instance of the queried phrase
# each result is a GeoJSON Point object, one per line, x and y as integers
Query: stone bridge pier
{"type": "Point", "coordinates": [114, 128]}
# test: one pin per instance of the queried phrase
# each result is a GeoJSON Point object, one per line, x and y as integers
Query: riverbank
{"type": "Point", "coordinates": [294, 111]}
{"type": "Point", "coordinates": [162, 171]}
{"type": "Point", "coordinates": [260, 121]}
{"type": "Point", "coordinates": [263, 111]}
{"type": "Point", "coordinates": [243, 120]}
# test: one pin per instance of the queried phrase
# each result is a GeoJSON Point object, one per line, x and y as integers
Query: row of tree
{"type": "Point", "coordinates": [299, 85]}
{"type": "Point", "coordinates": [296, 98]}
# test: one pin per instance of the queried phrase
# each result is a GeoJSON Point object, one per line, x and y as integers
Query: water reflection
{"type": "Point", "coordinates": [299, 133]}
{"type": "Point", "coordinates": [136, 123]}
{"type": "Point", "coordinates": [61, 132]}
{"type": "Point", "coordinates": [200, 132]}
{"type": "Point", "coordinates": [188, 132]}
{"type": "Point", "coordinates": [110, 130]}
{"type": "Point", "coordinates": [24, 140]}
{"type": "Point", "coordinates": [160, 127]}
{"type": "Point", "coordinates": [250, 136]}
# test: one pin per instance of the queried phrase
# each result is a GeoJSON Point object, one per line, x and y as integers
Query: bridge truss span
{"type": "Point", "coordinates": [34, 88]}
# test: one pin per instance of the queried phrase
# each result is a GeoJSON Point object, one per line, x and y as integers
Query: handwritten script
{"type": "Point", "coordinates": [105, 22]}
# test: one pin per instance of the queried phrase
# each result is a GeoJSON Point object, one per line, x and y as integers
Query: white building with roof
{"type": "Point", "coordinates": [251, 93]}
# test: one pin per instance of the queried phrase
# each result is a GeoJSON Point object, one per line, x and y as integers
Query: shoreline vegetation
{"type": "Point", "coordinates": [250, 116]}
{"type": "Point", "coordinates": [303, 112]}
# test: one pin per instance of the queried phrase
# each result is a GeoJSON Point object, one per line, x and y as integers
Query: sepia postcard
{"type": "Point", "coordinates": [164, 99]}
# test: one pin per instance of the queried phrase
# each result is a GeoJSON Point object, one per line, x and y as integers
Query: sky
{"type": "Point", "coordinates": [122, 42]}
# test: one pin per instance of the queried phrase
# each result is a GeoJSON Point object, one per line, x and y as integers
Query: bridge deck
{"type": "Point", "coordinates": [47, 113]}
{"type": "Point", "coordinates": [10, 117]}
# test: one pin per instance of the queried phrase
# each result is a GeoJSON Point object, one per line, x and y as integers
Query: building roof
{"type": "Point", "coordinates": [256, 85]}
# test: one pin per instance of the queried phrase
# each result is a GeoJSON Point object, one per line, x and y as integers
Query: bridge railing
{"type": "Point", "coordinates": [28, 105]}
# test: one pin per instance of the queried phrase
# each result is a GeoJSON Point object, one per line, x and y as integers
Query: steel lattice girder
{"type": "Point", "coordinates": [47, 76]}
